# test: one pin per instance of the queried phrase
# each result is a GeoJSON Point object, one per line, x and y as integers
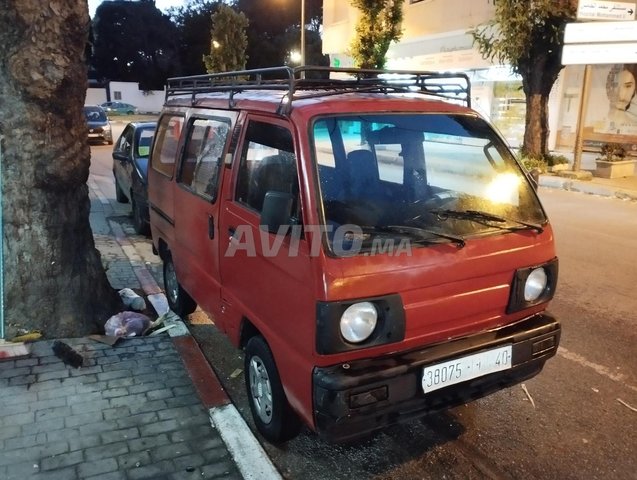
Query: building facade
{"type": "Point", "coordinates": [435, 37]}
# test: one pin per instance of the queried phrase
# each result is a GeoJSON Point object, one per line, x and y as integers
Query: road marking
{"type": "Point", "coordinates": [246, 451]}
{"type": "Point", "coordinates": [98, 192]}
{"type": "Point", "coordinates": [602, 370]}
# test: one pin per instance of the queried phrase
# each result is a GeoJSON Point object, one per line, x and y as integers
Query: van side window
{"type": "Point", "coordinates": [165, 150]}
{"type": "Point", "coordinates": [202, 156]}
{"type": "Point", "coordinates": [267, 164]}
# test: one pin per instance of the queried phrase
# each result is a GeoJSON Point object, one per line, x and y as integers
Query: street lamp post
{"type": "Point", "coordinates": [302, 32]}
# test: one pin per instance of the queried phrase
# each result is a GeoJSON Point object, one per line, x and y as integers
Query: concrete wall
{"type": "Point", "coordinates": [149, 101]}
{"type": "Point", "coordinates": [95, 96]}
{"type": "Point", "coordinates": [144, 100]}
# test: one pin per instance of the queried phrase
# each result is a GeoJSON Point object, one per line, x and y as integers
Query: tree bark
{"type": "Point", "coordinates": [54, 280]}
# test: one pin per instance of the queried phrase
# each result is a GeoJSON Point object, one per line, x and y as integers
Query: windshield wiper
{"type": "Point", "coordinates": [422, 233]}
{"type": "Point", "coordinates": [484, 218]}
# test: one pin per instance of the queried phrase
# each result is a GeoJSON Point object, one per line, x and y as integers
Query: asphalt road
{"type": "Point", "coordinates": [576, 420]}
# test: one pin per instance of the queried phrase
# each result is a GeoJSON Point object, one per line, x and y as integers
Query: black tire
{"type": "Point", "coordinates": [120, 196]}
{"type": "Point", "coordinates": [270, 409]}
{"type": "Point", "coordinates": [139, 219]}
{"type": "Point", "coordinates": [178, 299]}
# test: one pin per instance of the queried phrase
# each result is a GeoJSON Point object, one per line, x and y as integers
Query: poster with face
{"type": "Point", "coordinates": [620, 89]}
{"type": "Point", "coordinates": [612, 107]}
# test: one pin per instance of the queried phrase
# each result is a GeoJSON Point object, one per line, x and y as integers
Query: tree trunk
{"type": "Point", "coordinates": [537, 120]}
{"type": "Point", "coordinates": [54, 280]}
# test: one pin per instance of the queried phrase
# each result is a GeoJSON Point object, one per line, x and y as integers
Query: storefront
{"type": "Point", "coordinates": [610, 111]}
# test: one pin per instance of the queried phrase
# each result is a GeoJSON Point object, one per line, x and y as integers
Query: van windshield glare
{"type": "Point", "coordinates": [379, 170]}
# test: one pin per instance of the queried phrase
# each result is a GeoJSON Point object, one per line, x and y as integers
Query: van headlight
{"type": "Point", "coordinates": [358, 322]}
{"type": "Point", "coordinates": [535, 284]}
{"type": "Point", "coordinates": [532, 286]}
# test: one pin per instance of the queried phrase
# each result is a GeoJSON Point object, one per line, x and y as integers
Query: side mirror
{"type": "Point", "coordinates": [118, 155]}
{"type": "Point", "coordinates": [276, 211]}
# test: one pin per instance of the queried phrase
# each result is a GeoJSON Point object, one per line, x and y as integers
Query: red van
{"type": "Point", "coordinates": [368, 240]}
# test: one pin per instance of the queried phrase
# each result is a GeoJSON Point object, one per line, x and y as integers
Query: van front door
{"type": "Point", "coordinates": [196, 224]}
{"type": "Point", "coordinates": [267, 276]}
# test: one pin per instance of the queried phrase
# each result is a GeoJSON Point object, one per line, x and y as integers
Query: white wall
{"type": "Point", "coordinates": [95, 96]}
{"type": "Point", "coordinates": [144, 100]}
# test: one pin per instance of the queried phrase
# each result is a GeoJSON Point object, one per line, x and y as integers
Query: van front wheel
{"type": "Point", "coordinates": [271, 411]}
{"type": "Point", "coordinates": [178, 299]}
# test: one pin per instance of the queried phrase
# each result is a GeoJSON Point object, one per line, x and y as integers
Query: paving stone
{"type": "Point", "coordinates": [63, 460]}
{"type": "Point", "coordinates": [22, 380]}
{"type": "Point", "coordinates": [137, 420]}
{"type": "Point", "coordinates": [82, 419]}
{"type": "Point", "coordinates": [43, 426]}
{"type": "Point", "coordinates": [108, 476]}
{"type": "Point", "coordinates": [116, 413]}
{"type": "Point", "coordinates": [17, 419]}
{"type": "Point", "coordinates": [48, 413]}
{"type": "Point", "coordinates": [225, 469]}
{"type": "Point", "coordinates": [79, 443]}
{"type": "Point", "coordinates": [97, 467]}
{"type": "Point", "coordinates": [171, 451]}
{"type": "Point", "coordinates": [147, 406]}
{"type": "Point", "coordinates": [159, 427]}
{"type": "Point", "coordinates": [119, 435]}
{"type": "Point", "coordinates": [96, 406]}
{"type": "Point", "coordinates": [155, 471]}
{"type": "Point", "coordinates": [47, 403]}
{"type": "Point", "coordinates": [110, 450]}
{"type": "Point", "coordinates": [133, 460]}
{"type": "Point", "coordinates": [42, 377]}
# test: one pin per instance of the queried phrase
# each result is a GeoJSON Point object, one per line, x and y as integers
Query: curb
{"type": "Point", "coordinates": [246, 451]}
{"type": "Point", "coordinates": [585, 187]}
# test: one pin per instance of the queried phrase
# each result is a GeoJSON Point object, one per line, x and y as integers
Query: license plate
{"type": "Point", "coordinates": [465, 368]}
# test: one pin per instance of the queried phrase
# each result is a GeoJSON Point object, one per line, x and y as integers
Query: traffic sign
{"type": "Point", "coordinates": [598, 32]}
{"type": "Point", "coordinates": [599, 53]}
{"type": "Point", "coordinates": [601, 10]}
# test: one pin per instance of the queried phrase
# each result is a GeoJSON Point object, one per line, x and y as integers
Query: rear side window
{"type": "Point", "coordinates": [267, 164]}
{"type": "Point", "coordinates": [165, 150]}
{"type": "Point", "coordinates": [203, 155]}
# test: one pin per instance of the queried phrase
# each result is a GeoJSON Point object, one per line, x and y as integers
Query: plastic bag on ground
{"type": "Point", "coordinates": [127, 324]}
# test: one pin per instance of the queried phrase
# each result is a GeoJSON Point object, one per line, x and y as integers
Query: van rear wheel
{"type": "Point", "coordinates": [271, 411]}
{"type": "Point", "coordinates": [178, 299]}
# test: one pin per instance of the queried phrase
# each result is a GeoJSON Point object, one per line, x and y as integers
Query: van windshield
{"type": "Point", "coordinates": [436, 177]}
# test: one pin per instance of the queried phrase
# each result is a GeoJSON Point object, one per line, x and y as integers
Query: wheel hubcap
{"type": "Point", "coordinates": [261, 389]}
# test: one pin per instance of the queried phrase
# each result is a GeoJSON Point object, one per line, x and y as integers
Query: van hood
{"type": "Point", "coordinates": [446, 290]}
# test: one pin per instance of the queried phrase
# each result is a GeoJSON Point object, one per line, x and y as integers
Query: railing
{"type": "Point", "coordinates": [311, 82]}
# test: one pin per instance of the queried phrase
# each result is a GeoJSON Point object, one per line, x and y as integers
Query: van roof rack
{"type": "Point", "coordinates": [314, 81]}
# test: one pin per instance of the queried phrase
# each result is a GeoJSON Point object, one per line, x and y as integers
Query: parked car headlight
{"type": "Point", "coordinates": [535, 284]}
{"type": "Point", "coordinates": [358, 322]}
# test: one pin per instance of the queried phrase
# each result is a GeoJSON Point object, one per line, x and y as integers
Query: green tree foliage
{"type": "Point", "coordinates": [228, 41]}
{"type": "Point", "coordinates": [529, 36]}
{"type": "Point", "coordinates": [134, 42]}
{"type": "Point", "coordinates": [194, 23]}
{"type": "Point", "coordinates": [378, 26]}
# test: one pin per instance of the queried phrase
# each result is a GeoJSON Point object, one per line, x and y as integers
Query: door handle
{"type": "Point", "coordinates": [211, 227]}
{"type": "Point", "coordinates": [231, 231]}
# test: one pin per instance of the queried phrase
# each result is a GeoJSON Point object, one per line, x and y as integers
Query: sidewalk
{"type": "Point", "coordinates": [621, 188]}
{"type": "Point", "coordinates": [149, 407]}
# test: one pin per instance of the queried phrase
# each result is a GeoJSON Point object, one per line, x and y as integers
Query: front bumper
{"type": "Point", "coordinates": [365, 395]}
